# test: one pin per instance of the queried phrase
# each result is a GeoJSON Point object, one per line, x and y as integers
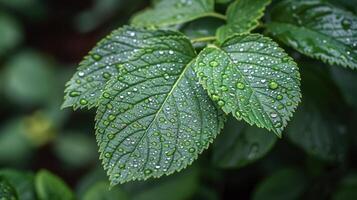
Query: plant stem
{"type": "Point", "coordinates": [216, 15]}
{"type": "Point", "coordinates": [204, 39]}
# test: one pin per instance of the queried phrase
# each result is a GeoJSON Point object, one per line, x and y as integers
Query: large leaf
{"type": "Point", "coordinates": [7, 192]}
{"type": "Point", "coordinates": [281, 185]}
{"type": "Point", "coordinates": [242, 17]}
{"type": "Point", "coordinates": [172, 12]}
{"type": "Point", "coordinates": [347, 188]}
{"type": "Point", "coordinates": [240, 145]}
{"type": "Point", "coordinates": [318, 30]}
{"type": "Point", "coordinates": [154, 118]}
{"type": "Point", "coordinates": [252, 78]}
{"type": "Point", "coordinates": [50, 187]}
{"type": "Point", "coordinates": [105, 61]}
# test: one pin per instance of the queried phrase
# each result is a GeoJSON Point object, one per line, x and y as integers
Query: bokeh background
{"type": "Point", "coordinates": [41, 43]}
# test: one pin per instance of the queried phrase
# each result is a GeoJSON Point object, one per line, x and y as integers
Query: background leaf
{"type": "Point", "coordinates": [50, 187]}
{"type": "Point", "coordinates": [240, 145]}
{"type": "Point", "coordinates": [6, 190]}
{"type": "Point", "coordinates": [172, 12]}
{"type": "Point", "coordinates": [318, 30]}
{"type": "Point", "coordinates": [252, 78]}
{"type": "Point", "coordinates": [101, 191]}
{"type": "Point", "coordinates": [22, 183]}
{"type": "Point", "coordinates": [242, 17]}
{"type": "Point", "coordinates": [154, 118]}
{"type": "Point", "coordinates": [281, 185]}
{"type": "Point", "coordinates": [10, 33]}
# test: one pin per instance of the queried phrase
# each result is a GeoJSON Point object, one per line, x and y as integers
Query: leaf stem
{"type": "Point", "coordinates": [216, 15]}
{"type": "Point", "coordinates": [204, 39]}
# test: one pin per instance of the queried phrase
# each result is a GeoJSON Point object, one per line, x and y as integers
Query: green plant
{"type": "Point", "coordinates": [162, 96]}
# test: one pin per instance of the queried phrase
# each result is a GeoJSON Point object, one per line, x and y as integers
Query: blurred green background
{"type": "Point", "coordinates": [41, 43]}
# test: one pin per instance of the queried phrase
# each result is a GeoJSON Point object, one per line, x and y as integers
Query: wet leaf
{"type": "Point", "coordinates": [242, 17]}
{"type": "Point", "coordinates": [154, 118]}
{"type": "Point", "coordinates": [252, 78]}
{"type": "Point", "coordinates": [172, 12]}
{"type": "Point", "coordinates": [318, 30]}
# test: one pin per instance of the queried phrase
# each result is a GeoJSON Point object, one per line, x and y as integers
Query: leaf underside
{"type": "Point", "coordinates": [318, 30]}
{"type": "Point", "coordinates": [154, 118]}
{"type": "Point", "coordinates": [242, 17]}
{"type": "Point", "coordinates": [173, 12]}
{"type": "Point", "coordinates": [252, 78]}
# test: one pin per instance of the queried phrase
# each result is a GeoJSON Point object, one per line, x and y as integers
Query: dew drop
{"type": "Point", "coordinates": [191, 150]}
{"type": "Point", "coordinates": [110, 136]}
{"type": "Point", "coordinates": [96, 57]}
{"type": "Point", "coordinates": [273, 85]}
{"type": "Point", "coordinates": [147, 171]}
{"type": "Point", "coordinates": [80, 74]}
{"type": "Point", "coordinates": [215, 97]}
{"type": "Point", "coordinates": [74, 94]}
{"type": "Point", "coordinates": [240, 85]}
{"type": "Point", "coordinates": [106, 95]}
{"type": "Point", "coordinates": [346, 24]}
{"type": "Point", "coordinates": [83, 102]}
{"type": "Point", "coordinates": [111, 117]}
{"type": "Point", "coordinates": [106, 75]}
{"type": "Point", "coordinates": [213, 63]}
{"type": "Point", "coordinates": [279, 97]}
{"type": "Point", "coordinates": [108, 155]}
{"type": "Point", "coordinates": [221, 103]}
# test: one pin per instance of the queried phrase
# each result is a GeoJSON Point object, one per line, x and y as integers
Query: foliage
{"type": "Point", "coordinates": [159, 102]}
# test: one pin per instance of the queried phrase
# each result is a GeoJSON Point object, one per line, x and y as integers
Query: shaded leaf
{"type": "Point", "coordinates": [177, 187]}
{"type": "Point", "coordinates": [50, 187]}
{"type": "Point", "coordinates": [7, 192]}
{"type": "Point", "coordinates": [347, 188]}
{"type": "Point", "coordinates": [242, 17]}
{"type": "Point", "coordinates": [154, 118]}
{"type": "Point", "coordinates": [281, 185]}
{"type": "Point", "coordinates": [347, 82]}
{"type": "Point", "coordinates": [318, 30]}
{"type": "Point", "coordinates": [101, 191]}
{"type": "Point", "coordinates": [252, 78]}
{"type": "Point", "coordinates": [22, 183]}
{"type": "Point", "coordinates": [10, 33]}
{"type": "Point", "coordinates": [172, 12]}
{"type": "Point", "coordinates": [240, 145]}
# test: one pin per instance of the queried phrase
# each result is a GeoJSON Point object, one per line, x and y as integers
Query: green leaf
{"type": "Point", "coordinates": [205, 27]}
{"type": "Point", "coordinates": [10, 33]}
{"type": "Point", "coordinates": [154, 118]}
{"type": "Point", "coordinates": [100, 191]}
{"type": "Point", "coordinates": [173, 12]}
{"type": "Point", "coordinates": [239, 145]}
{"type": "Point", "coordinates": [7, 192]}
{"type": "Point", "coordinates": [346, 80]}
{"type": "Point", "coordinates": [347, 188]}
{"type": "Point", "coordinates": [183, 185]}
{"type": "Point", "coordinates": [252, 78]}
{"type": "Point", "coordinates": [50, 187]}
{"type": "Point", "coordinates": [242, 17]}
{"type": "Point", "coordinates": [318, 30]}
{"type": "Point", "coordinates": [281, 185]}
{"type": "Point", "coordinates": [22, 183]}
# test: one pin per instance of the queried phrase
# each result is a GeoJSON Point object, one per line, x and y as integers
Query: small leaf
{"type": "Point", "coordinates": [318, 30]}
{"type": "Point", "coordinates": [252, 78]}
{"type": "Point", "coordinates": [281, 185]}
{"type": "Point", "coordinates": [239, 145]}
{"type": "Point", "coordinates": [22, 183]}
{"type": "Point", "coordinates": [154, 118]}
{"type": "Point", "coordinates": [242, 17]}
{"type": "Point", "coordinates": [51, 187]}
{"type": "Point", "coordinates": [100, 191]}
{"type": "Point", "coordinates": [172, 12]}
{"type": "Point", "coordinates": [7, 192]}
